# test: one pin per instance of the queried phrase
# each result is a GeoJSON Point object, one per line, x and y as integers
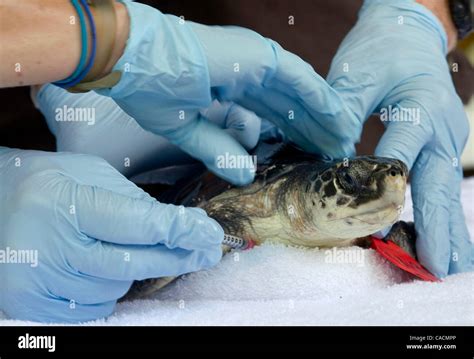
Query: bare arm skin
{"type": "Point", "coordinates": [40, 43]}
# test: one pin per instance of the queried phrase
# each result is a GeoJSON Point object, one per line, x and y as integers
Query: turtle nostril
{"type": "Point", "coordinates": [348, 182]}
{"type": "Point", "coordinates": [349, 179]}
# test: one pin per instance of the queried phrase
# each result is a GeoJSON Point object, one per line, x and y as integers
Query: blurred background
{"type": "Point", "coordinates": [319, 27]}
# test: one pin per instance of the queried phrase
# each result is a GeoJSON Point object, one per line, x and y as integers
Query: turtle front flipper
{"type": "Point", "coordinates": [141, 289]}
{"type": "Point", "coordinates": [403, 234]}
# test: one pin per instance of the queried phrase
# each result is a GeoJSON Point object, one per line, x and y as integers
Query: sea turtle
{"type": "Point", "coordinates": [301, 200]}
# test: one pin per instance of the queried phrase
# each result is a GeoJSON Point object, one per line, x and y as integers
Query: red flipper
{"type": "Point", "coordinates": [401, 259]}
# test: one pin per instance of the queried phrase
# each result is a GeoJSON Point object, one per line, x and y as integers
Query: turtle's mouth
{"type": "Point", "coordinates": [363, 223]}
{"type": "Point", "coordinates": [363, 216]}
{"type": "Point", "coordinates": [380, 216]}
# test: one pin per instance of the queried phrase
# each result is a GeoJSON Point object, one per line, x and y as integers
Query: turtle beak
{"type": "Point", "coordinates": [395, 182]}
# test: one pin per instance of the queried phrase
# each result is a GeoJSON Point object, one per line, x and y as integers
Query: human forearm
{"type": "Point", "coordinates": [41, 41]}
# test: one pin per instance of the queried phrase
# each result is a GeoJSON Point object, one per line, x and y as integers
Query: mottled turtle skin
{"type": "Point", "coordinates": [300, 200]}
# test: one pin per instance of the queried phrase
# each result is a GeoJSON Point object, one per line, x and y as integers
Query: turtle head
{"type": "Point", "coordinates": [359, 197]}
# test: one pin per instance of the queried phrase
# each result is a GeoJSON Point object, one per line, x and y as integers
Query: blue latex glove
{"type": "Point", "coordinates": [171, 69]}
{"type": "Point", "coordinates": [94, 232]}
{"type": "Point", "coordinates": [115, 136]}
{"type": "Point", "coordinates": [395, 56]}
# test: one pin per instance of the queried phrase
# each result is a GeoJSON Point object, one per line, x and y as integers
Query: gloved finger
{"type": "Point", "coordinates": [217, 112]}
{"type": "Point", "coordinates": [49, 308]}
{"type": "Point", "coordinates": [126, 263]}
{"type": "Point", "coordinates": [88, 290]}
{"type": "Point", "coordinates": [271, 132]}
{"type": "Point", "coordinates": [298, 79]}
{"type": "Point", "coordinates": [75, 112]}
{"type": "Point", "coordinates": [328, 138]}
{"type": "Point", "coordinates": [432, 184]}
{"type": "Point", "coordinates": [112, 217]}
{"type": "Point", "coordinates": [403, 140]}
{"type": "Point", "coordinates": [188, 138]}
{"type": "Point", "coordinates": [462, 249]}
{"type": "Point", "coordinates": [95, 171]}
{"type": "Point", "coordinates": [48, 99]}
{"type": "Point", "coordinates": [360, 90]}
{"type": "Point", "coordinates": [219, 151]}
{"type": "Point", "coordinates": [241, 124]}
{"type": "Point", "coordinates": [134, 149]}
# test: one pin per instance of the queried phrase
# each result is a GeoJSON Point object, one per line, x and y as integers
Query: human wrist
{"type": "Point", "coordinates": [440, 8]}
{"type": "Point", "coordinates": [121, 36]}
{"type": "Point", "coordinates": [112, 28]}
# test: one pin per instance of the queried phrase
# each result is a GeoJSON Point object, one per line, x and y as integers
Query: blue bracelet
{"type": "Point", "coordinates": [78, 78]}
{"type": "Point", "coordinates": [84, 45]}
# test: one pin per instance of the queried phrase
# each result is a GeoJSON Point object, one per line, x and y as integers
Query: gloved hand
{"type": "Point", "coordinates": [105, 130]}
{"type": "Point", "coordinates": [171, 69]}
{"type": "Point", "coordinates": [393, 62]}
{"type": "Point", "coordinates": [94, 233]}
